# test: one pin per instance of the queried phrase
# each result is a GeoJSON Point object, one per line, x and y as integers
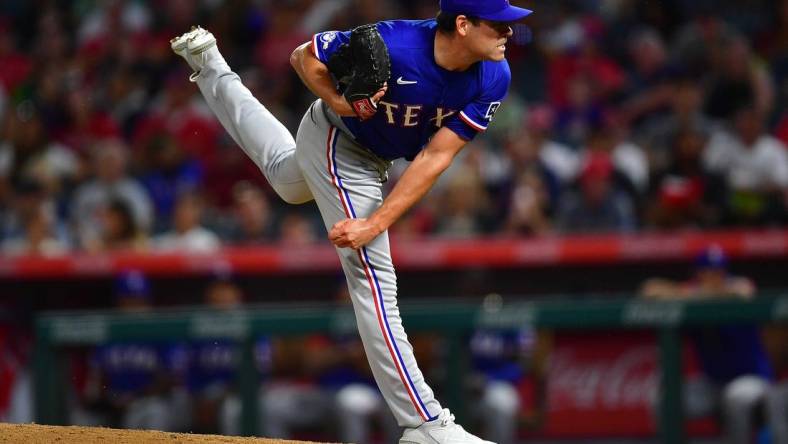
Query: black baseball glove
{"type": "Point", "coordinates": [361, 69]}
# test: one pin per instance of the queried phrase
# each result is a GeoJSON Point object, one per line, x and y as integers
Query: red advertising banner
{"type": "Point", "coordinates": [601, 384]}
{"type": "Point", "coordinates": [410, 255]}
{"type": "Point", "coordinates": [605, 385]}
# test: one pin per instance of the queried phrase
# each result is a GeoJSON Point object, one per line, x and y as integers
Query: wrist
{"type": "Point", "coordinates": [377, 225]}
{"type": "Point", "coordinates": [340, 105]}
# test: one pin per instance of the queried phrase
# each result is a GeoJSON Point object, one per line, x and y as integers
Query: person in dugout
{"type": "Point", "coordinates": [134, 384]}
{"type": "Point", "coordinates": [736, 372]}
{"type": "Point", "coordinates": [323, 381]}
{"type": "Point", "coordinates": [213, 366]}
{"type": "Point", "coordinates": [509, 368]}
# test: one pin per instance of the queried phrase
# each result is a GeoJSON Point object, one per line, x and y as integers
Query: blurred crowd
{"type": "Point", "coordinates": [623, 115]}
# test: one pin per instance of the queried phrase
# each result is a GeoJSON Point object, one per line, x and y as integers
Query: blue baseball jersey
{"type": "Point", "coordinates": [498, 353]}
{"type": "Point", "coordinates": [341, 375]}
{"type": "Point", "coordinates": [730, 351]}
{"type": "Point", "coordinates": [212, 363]}
{"type": "Point", "coordinates": [422, 97]}
{"type": "Point", "coordinates": [215, 362]}
{"type": "Point", "coordinates": [132, 367]}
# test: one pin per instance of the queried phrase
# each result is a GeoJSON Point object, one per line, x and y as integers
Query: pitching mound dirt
{"type": "Point", "coordinates": [40, 434]}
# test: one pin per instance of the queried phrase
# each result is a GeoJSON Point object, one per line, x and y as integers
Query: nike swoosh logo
{"type": "Point", "coordinates": [400, 81]}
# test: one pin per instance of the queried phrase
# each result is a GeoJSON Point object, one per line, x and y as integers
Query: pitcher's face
{"type": "Point", "coordinates": [488, 39]}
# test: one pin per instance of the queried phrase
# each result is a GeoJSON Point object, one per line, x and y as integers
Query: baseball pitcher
{"type": "Point", "coordinates": [418, 89]}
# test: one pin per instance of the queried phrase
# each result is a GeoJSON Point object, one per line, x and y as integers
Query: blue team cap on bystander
{"type": "Point", "coordinates": [132, 284]}
{"type": "Point", "coordinates": [712, 257]}
{"type": "Point", "coordinates": [493, 10]}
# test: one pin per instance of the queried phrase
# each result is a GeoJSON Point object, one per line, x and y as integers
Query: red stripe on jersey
{"type": "Point", "coordinates": [471, 123]}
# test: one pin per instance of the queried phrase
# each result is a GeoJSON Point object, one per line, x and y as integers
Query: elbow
{"type": "Point", "coordinates": [295, 58]}
{"type": "Point", "coordinates": [438, 165]}
{"type": "Point", "coordinates": [443, 160]}
{"type": "Point", "coordinates": [436, 162]}
{"type": "Point", "coordinates": [299, 54]}
{"type": "Point", "coordinates": [443, 165]}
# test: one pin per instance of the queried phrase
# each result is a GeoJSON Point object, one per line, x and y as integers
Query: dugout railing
{"type": "Point", "coordinates": [56, 331]}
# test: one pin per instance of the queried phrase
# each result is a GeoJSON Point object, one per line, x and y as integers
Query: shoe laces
{"type": "Point", "coordinates": [193, 76]}
{"type": "Point", "coordinates": [448, 418]}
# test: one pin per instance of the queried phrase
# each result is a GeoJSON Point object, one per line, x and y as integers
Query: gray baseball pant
{"type": "Point", "coordinates": [345, 179]}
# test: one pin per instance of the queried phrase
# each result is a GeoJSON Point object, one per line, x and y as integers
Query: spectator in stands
{"type": "Point", "coordinates": [536, 140]}
{"type": "Point", "coordinates": [110, 182]}
{"type": "Point", "coordinates": [629, 158]}
{"type": "Point", "coordinates": [30, 225]}
{"type": "Point", "coordinates": [120, 83]}
{"type": "Point", "coordinates": [118, 230]}
{"type": "Point", "coordinates": [685, 193]}
{"type": "Point", "coordinates": [225, 175]}
{"type": "Point", "coordinates": [697, 42]}
{"type": "Point", "coordinates": [755, 167]}
{"type": "Point", "coordinates": [529, 207]}
{"type": "Point", "coordinates": [175, 114]}
{"type": "Point", "coordinates": [598, 205]}
{"type": "Point", "coordinates": [463, 205]}
{"type": "Point", "coordinates": [252, 220]}
{"type": "Point", "coordinates": [582, 77]}
{"type": "Point", "coordinates": [188, 235]}
{"type": "Point", "coordinates": [582, 112]}
{"type": "Point", "coordinates": [273, 49]}
{"type": "Point", "coordinates": [18, 65]}
{"type": "Point", "coordinates": [539, 168]}
{"type": "Point", "coordinates": [738, 79]}
{"type": "Point", "coordinates": [134, 384]}
{"type": "Point", "coordinates": [648, 87]}
{"type": "Point", "coordinates": [87, 124]}
{"type": "Point", "coordinates": [27, 151]}
{"type": "Point", "coordinates": [736, 372]}
{"type": "Point", "coordinates": [417, 223]}
{"type": "Point", "coordinates": [39, 236]}
{"type": "Point", "coordinates": [776, 50]}
{"type": "Point", "coordinates": [169, 174]}
{"type": "Point", "coordinates": [125, 97]}
{"type": "Point", "coordinates": [295, 228]}
{"type": "Point", "coordinates": [658, 135]}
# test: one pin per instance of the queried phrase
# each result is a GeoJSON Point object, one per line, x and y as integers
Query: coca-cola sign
{"type": "Point", "coordinates": [601, 384]}
{"type": "Point", "coordinates": [604, 385]}
{"type": "Point", "coordinates": [627, 381]}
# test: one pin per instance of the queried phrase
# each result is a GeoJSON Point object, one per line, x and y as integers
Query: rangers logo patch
{"type": "Point", "coordinates": [327, 38]}
{"type": "Point", "coordinates": [491, 110]}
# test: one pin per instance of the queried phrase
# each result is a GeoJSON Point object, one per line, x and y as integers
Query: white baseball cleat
{"type": "Point", "coordinates": [194, 47]}
{"type": "Point", "coordinates": [180, 44]}
{"type": "Point", "coordinates": [442, 430]}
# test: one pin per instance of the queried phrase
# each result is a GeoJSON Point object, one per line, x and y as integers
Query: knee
{"type": "Point", "coordinates": [230, 406]}
{"type": "Point", "coordinates": [501, 398]}
{"type": "Point", "coordinates": [294, 195]}
{"type": "Point", "coordinates": [358, 399]}
{"type": "Point", "coordinates": [745, 391]}
{"type": "Point", "coordinates": [158, 408]}
{"type": "Point", "coordinates": [277, 401]}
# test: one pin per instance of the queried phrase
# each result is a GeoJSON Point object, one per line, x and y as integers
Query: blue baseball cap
{"type": "Point", "coordinates": [132, 284]}
{"type": "Point", "coordinates": [713, 257]}
{"type": "Point", "coordinates": [493, 10]}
